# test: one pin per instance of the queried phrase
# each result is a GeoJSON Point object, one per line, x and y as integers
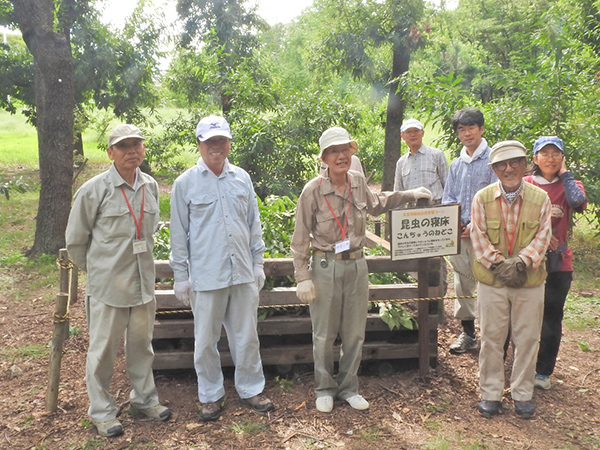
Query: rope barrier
{"type": "Point", "coordinates": [60, 319]}
{"type": "Point", "coordinates": [68, 265]}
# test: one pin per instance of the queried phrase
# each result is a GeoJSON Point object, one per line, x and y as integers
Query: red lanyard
{"type": "Point", "coordinates": [138, 225]}
{"type": "Point", "coordinates": [347, 214]}
{"type": "Point", "coordinates": [511, 241]}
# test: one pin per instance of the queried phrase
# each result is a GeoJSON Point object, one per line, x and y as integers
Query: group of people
{"type": "Point", "coordinates": [217, 261]}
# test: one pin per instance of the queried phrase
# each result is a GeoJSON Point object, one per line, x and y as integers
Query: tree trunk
{"type": "Point", "coordinates": [395, 113]}
{"type": "Point", "coordinates": [55, 103]}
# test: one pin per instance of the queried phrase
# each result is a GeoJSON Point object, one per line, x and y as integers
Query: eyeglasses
{"type": "Point", "coordinates": [553, 155]}
{"type": "Point", "coordinates": [514, 163]}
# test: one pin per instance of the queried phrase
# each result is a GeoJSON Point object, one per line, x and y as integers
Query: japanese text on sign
{"type": "Point", "coordinates": [425, 232]}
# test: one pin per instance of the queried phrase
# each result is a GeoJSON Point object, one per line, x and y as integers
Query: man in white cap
{"type": "Point", "coordinates": [421, 166]}
{"type": "Point", "coordinates": [217, 260]}
{"type": "Point", "coordinates": [330, 267]}
{"type": "Point", "coordinates": [110, 236]}
{"type": "Point", "coordinates": [510, 231]}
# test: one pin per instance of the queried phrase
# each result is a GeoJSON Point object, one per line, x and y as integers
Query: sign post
{"type": "Point", "coordinates": [425, 232]}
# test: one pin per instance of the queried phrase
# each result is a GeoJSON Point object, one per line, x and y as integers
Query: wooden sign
{"type": "Point", "coordinates": [425, 232]}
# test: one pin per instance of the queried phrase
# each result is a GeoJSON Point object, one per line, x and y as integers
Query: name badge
{"type": "Point", "coordinates": [139, 246]}
{"type": "Point", "coordinates": [342, 246]}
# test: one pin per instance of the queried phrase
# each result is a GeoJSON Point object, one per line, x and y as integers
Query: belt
{"type": "Point", "coordinates": [357, 254]}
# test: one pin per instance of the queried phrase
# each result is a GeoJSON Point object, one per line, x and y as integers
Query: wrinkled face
{"type": "Point", "coordinates": [338, 158]}
{"type": "Point", "coordinates": [127, 154]}
{"type": "Point", "coordinates": [549, 159]}
{"type": "Point", "coordinates": [214, 152]}
{"type": "Point", "coordinates": [413, 137]}
{"type": "Point", "coordinates": [511, 172]}
{"type": "Point", "coordinates": [470, 135]}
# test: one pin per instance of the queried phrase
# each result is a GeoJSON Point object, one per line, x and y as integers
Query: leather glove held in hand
{"type": "Point", "coordinates": [511, 272]}
{"type": "Point", "coordinates": [259, 276]}
{"type": "Point", "coordinates": [305, 291]}
{"type": "Point", "coordinates": [420, 192]}
{"type": "Point", "coordinates": [183, 291]}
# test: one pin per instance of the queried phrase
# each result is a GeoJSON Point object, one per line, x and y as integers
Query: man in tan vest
{"type": "Point", "coordinates": [510, 232]}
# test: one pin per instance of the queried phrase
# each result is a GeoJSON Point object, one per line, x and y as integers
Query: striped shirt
{"type": "Point", "coordinates": [426, 168]}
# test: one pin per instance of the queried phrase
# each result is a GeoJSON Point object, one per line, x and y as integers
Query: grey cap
{"type": "Point", "coordinates": [124, 131]}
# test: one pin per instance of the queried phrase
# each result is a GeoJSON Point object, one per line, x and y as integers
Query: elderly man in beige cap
{"type": "Point", "coordinates": [330, 267]}
{"type": "Point", "coordinates": [110, 236]}
{"type": "Point", "coordinates": [511, 230]}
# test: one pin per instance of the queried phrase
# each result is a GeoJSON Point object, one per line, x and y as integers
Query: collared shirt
{"type": "Point", "coordinates": [533, 254]}
{"type": "Point", "coordinates": [468, 175]}
{"type": "Point", "coordinates": [100, 235]}
{"type": "Point", "coordinates": [426, 168]}
{"type": "Point", "coordinates": [216, 235]}
{"type": "Point", "coordinates": [316, 227]}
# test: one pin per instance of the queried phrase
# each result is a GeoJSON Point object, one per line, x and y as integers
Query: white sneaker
{"type": "Point", "coordinates": [109, 428]}
{"type": "Point", "coordinates": [324, 404]}
{"type": "Point", "coordinates": [358, 402]}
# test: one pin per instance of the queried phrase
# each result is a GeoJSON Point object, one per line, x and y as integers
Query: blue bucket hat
{"type": "Point", "coordinates": [542, 141]}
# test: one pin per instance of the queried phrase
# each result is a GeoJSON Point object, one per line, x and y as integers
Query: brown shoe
{"type": "Point", "coordinates": [211, 410]}
{"type": "Point", "coordinates": [259, 403]}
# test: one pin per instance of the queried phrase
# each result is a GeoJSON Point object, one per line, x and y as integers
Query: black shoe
{"type": "Point", "coordinates": [525, 410]}
{"type": "Point", "coordinates": [488, 408]}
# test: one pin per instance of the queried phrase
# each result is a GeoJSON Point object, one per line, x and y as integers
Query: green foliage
{"type": "Point", "coordinates": [27, 352]}
{"type": "Point", "coordinates": [162, 245]}
{"type": "Point", "coordinates": [277, 216]}
{"type": "Point", "coordinates": [247, 427]}
{"type": "Point", "coordinates": [13, 185]}
{"type": "Point", "coordinates": [396, 316]}
{"type": "Point", "coordinates": [284, 384]}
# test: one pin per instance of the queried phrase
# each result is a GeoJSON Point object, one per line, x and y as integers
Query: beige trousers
{"type": "Point", "coordinates": [106, 326]}
{"type": "Point", "coordinates": [464, 282]}
{"type": "Point", "coordinates": [340, 307]}
{"type": "Point", "coordinates": [520, 312]}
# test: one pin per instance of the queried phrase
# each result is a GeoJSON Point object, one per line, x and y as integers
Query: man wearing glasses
{"type": "Point", "coordinates": [510, 232]}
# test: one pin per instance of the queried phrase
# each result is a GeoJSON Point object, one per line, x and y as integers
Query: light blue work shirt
{"type": "Point", "coordinates": [216, 235]}
{"type": "Point", "coordinates": [467, 176]}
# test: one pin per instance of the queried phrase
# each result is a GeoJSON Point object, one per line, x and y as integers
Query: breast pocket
{"type": "Point", "coordinates": [360, 218]}
{"type": "Point", "coordinates": [326, 227]}
{"type": "Point", "coordinates": [240, 199]}
{"type": "Point", "coordinates": [493, 231]}
{"type": "Point", "coordinates": [529, 229]}
{"type": "Point", "coordinates": [115, 222]}
{"type": "Point", "coordinates": [204, 209]}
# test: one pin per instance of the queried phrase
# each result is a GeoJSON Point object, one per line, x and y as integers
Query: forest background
{"type": "Point", "coordinates": [531, 66]}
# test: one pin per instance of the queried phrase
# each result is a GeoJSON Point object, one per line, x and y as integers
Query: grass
{"type": "Point", "coordinates": [27, 352]}
{"type": "Point", "coordinates": [247, 427]}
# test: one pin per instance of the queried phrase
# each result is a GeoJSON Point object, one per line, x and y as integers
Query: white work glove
{"type": "Point", "coordinates": [420, 192]}
{"type": "Point", "coordinates": [305, 291]}
{"type": "Point", "coordinates": [259, 276]}
{"type": "Point", "coordinates": [183, 291]}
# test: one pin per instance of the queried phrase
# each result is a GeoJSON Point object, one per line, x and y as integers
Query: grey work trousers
{"type": "Point", "coordinates": [340, 307]}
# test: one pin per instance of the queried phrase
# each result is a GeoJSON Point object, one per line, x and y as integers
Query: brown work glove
{"type": "Point", "coordinates": [511, 272]}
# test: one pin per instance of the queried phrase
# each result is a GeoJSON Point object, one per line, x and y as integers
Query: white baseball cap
{"type": "Point", "coordinates": [505, 150]}
{"type": "Point", "coordinates": [411, 123]}
{"type": "Point", "coordinates": [211, 126]}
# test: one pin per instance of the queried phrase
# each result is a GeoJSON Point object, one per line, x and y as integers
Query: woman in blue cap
{"type": "Point", "coordinates": [550, 173]}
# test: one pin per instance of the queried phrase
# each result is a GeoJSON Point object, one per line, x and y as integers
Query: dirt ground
{"type": "Point", "coordinates": [406, 412]}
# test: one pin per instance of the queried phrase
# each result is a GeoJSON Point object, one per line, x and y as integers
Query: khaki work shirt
{"type": "Point", "coordinates": [100, 235]}
{"type": "Point", "coordinates": [316, 227]}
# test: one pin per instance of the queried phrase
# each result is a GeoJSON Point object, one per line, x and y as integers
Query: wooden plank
{"type": "Point", "coordinates": [284, 266]}
{"type": "Point", "coordinates": [280, 325]}
{"type": "Point", "coordinates": [297, 354]}
{"type": "Point", "coordinates": [373, 240]}
{"type": "Point", "coordinates": [286, 296]}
